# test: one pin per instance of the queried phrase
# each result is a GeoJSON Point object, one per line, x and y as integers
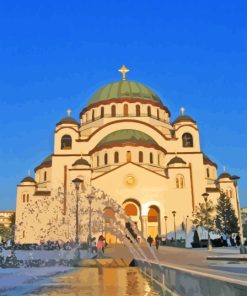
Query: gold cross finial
{"type": "Point", "coordinates": [81, 155]}
{"type": "Point", "coordinates": [123, 70]}
{"type": "Point", "coordinates": [69, 112]}
{"type": "Point", "coordinates": [29, 173]}
{"type": "Point", "coordinates": [182, 110]}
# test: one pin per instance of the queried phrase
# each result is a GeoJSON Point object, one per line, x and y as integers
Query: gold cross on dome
{"type": "Point", "coordinates": [123, 70]}
{"type": "Point", "coordinates": [81, 154]}
{"type": "Point", "coordinates": [182, 110]}
{"type": "Point", "coordinates": [69, 112]}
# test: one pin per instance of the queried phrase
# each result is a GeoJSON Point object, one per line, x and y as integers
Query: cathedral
{"type": "Point", "coordinates": [125, 144]}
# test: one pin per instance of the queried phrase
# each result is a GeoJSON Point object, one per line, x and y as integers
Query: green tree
{"type": "Point", "coordinates": [226, 220]}
{"type": "Point", "coordinates": [203, 215]}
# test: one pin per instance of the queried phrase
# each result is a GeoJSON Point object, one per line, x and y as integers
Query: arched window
{"type": "Point", "coordinates": [27, 197]}
{"type": "Point", "coordinates": [106, 158]}
{"type": "Point", "coordinates": [116, 157]}
{"type": "Point", "coordinates": [45, 176]}
{"type": "Point", "coordinates": [229, 192]}
{"type": "Point", "coordinates": [140, 156]}
{"type": "Point", "coordinates": [24, 198]}
{"type": "Point", "coordinates": [93, 115]}
{"type": "Point", "coordinates": [130, 210]}
{"type": "Point", "coordinates": [102, 112]}
{"type": "Point", "coordinates": [149, 111]}
{"type": "Point", "coordinates": [126, 110]}
{"type": "Point", "coordinates": [153, 214]}
{"type": "Point", "coordinates": [158, 114]}
{"type": "Point", "coordinates": [151, 157]}
{"type": "Point", "coordinates": [113, 111]}
{"type": "Point", "coordinates": [138, 110]}
{"type": "Point", "coordinates": [187, 140]}
{"type": "Point", "coordinates": [179, 181]}
{"type": "Point", "coordinates": [66, 142]}
{"type": "Point", "coordinates": [208, 173]}
{"type": "Point", "coordinates": [128, 156]}
{"type": "Point", "coordinates": [97, 160]}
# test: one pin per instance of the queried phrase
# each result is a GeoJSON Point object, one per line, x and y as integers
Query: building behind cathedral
{"type": "Point", "coordinates": [125, 144]}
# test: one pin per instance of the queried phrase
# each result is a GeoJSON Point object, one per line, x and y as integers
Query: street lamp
{"type": "Point", "coordinates": [165, 217]}
{"type": "Point", "coordinates": [90, 198]}
{"type": "Point", "coordinates": [235, 182]}
{"type": "Point", "coordinates": [186, 226]}
{"type": "Point", "coordinates": [174, 214]}
{"type": "Point", "coordinates": [205, 196]}
{"type": "Point", "coordinates": [77, 183]}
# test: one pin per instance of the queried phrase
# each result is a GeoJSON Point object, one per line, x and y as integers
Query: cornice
{"type": "Point", "coordinates": [126, 120]}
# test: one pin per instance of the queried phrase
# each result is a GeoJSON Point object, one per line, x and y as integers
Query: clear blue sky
{"type": "Point", "coordinates": [55, 54]}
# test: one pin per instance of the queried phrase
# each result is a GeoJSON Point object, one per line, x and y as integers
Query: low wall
{"type": "Point", "coordinates": [181, 281]}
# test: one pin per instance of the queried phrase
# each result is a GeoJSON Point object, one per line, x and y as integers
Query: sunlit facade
{"type": "Point", "coordinates": [125, 144]}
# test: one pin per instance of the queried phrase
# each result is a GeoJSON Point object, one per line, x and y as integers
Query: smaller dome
{"type": "Point", "coordinates": [47, 159]}
{"type": "Point", "coordinates": [176, 160]}
{"type": "Point", "coordinates": [183, 118]}
{"type": "Point", "coordinates": [28, 179]}
{"type": "Point", "coordinates": [126, 135]}
{"type": "Point", "coordinates": [46, 163]}
{"type": "Point", "coordinates": [224, 175]}
{"type": "Point", "coordinates": [208, 161]}
{"type": "Point", "coordinates": [81, 161]}
{"type": "Point", "coordinates": [67, 119]}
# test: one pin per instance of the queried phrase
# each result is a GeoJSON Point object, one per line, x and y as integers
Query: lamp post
{"type": "Point", "coordinates": [186, 226]}
{"type": "Point", "coordinates": [77, 183]}
{"type": "Point", "coordinates": [165, 217]}
{"type": "Point", "coordinates": [235, 182]}
{"type": "Point", "coordinates": [174, 214]}
{"type": "Point", "coordinates": [205, 196]}
{"type": "Point", "coordinates": [90, 198]}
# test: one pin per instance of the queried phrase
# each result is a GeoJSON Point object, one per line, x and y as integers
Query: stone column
{"type": "Point", "coordinates": [145, 226]}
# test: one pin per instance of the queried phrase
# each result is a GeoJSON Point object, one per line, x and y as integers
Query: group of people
{"type": "Point", "coordinates": [229, 241]}
{"type": "Point", "coordinates": [157, 241]}
{"type": "Point", "coordinates": [99, 246]}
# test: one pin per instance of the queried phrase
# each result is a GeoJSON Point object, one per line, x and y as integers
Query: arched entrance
{"type": "Point", "coordinates": [132, 209]}
{"type": "Point", "coordinates": [153, 221]}
{"type": "Point", "coordinates": [108, 216]}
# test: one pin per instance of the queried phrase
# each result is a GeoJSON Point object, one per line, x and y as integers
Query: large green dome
{"type": "Point", "coordinates": [124, 89]}
{"type": "Point", "coordinates": [126, 135]}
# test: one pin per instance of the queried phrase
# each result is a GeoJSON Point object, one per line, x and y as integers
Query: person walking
{"type": "Point", "coordinates": [150, 240]}
{"type": "Point", "coordinates": [100, 245]}
{"type": "Point", "coordinates": [157, 242]}
{"type": "Point", "coordinates": [238, 240]}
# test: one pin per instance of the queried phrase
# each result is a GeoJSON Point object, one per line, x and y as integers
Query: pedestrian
{"type": "Point", "coordinates": [157, 242]}
{"type": "Point", "coordinates": [100, 245]}
{"type": "Point", "coordinates": [228, 241]}
{"type": "Point", "coordinates": [94, 245]}
{"type": "Point", "coordinates": [150, 240]}
{"type": "Point", "coordinates": [224, 240]}
{"type": "Point", "coordinates": [238, 240]}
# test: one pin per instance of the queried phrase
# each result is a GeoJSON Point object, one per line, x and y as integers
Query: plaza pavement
{"type": "Point", "coordinates": [194, 260]}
